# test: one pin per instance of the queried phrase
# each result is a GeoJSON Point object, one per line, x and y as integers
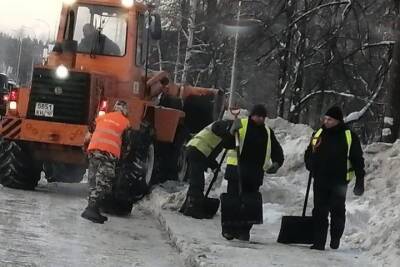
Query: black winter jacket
{"type": "Point", "coordinates": [328, 161]}
{"type": "Point", "coordinates": [253, 153]}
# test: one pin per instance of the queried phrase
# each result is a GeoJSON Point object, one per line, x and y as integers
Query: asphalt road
{"type": "Point", "coordinates": [44, 228]}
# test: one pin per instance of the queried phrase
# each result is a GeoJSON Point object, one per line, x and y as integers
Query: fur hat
{"type": "Point", "coordinates": [335, 112]}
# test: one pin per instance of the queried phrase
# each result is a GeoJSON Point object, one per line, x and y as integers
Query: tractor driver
{"type": "Point", "coordinates": [94, 40]}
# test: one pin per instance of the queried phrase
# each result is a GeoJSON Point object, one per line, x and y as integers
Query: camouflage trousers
{"type": "Point", "coordinates": [101, 175]}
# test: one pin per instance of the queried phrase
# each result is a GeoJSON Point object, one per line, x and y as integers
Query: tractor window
{"type": "Point", "coordinates": [101, 30]}
{"type": "Point", "coordinates": [141, 40]}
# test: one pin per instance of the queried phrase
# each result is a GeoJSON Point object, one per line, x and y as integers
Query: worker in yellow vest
{"type": "Point", "coordinates": [109, 138]}
{"type": "Point", "coordinates": [202, 151]}
{"type": "Point", "coordinates": [333, 157]}
{"type": "Point", "coordinates": [260, 152]}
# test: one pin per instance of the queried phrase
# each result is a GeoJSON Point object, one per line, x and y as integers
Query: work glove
{"type": "Point", "coordinates": [274, 168]}
{"type": "Point", "coordinates": [213, 164]}
{"type": "Point", "coordinates": [359, 187]}
{"type": "Point", "coordinates": [236, 125]}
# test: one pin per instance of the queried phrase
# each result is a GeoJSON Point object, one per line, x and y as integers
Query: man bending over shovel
{"type": "Point", "coordinates": [202, 150]}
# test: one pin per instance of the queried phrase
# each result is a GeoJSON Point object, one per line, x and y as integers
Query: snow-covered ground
{"type": "Point", "coordinates": [43, 228]}
{"type": "Point", "coordinates": [371, 236]}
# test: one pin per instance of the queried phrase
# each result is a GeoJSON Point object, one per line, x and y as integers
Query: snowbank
{"type": "Point", "coordinates": [371, 237]}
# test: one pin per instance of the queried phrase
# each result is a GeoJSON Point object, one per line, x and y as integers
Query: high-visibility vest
{"type": "Point", "coordinates": [205, 141]}
{"type": "Point", "coordinates": [350, 171]}
{"type": "Point", "coordinates": [232, 154]}
{"type": "Point", "coordinates": [107, 136]}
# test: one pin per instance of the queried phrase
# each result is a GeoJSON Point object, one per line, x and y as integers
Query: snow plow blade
{"type": "Point", "coordinates": [296, 230]}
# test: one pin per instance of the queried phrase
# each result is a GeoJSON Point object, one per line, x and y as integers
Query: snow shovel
{"type": "Point", "coordinates": [211, 205]}
{"type": "Point", "coordinates": [243, 208]}
{"type": "Point", "coordinates": [297, 229]}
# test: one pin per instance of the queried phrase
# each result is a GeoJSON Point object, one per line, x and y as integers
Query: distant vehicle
{"type": "Point", "coordinates": [12, 84]}
{"type": "Point", "coordinates": [4, 89]}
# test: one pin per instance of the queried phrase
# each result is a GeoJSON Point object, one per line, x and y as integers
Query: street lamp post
{"type": "Point", "coordinates": [20, 39]}
{"type": "Point", "coordinates": [237, 27]}
{"type": "Point", "coordinates": [233, 71]}
{"type": "Point", "coordinates": [19, 58]}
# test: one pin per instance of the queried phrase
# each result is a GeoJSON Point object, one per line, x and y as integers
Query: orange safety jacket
{"type": "Point", "coordinates": [107, 136]}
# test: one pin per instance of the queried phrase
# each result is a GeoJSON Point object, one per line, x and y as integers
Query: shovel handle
{"type": "Point", "coordinates": [216, 173]}
{"type": "Point", "coordinates": [307, 193]}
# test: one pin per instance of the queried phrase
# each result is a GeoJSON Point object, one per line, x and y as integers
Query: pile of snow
{"type": "Point", "coordinates": [373, 220]}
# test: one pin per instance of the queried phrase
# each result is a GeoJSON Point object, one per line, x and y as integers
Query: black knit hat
{"type": "Point", "coordinates": [335, 112]}
{"type": "Point", "coordinates": [259, 110]}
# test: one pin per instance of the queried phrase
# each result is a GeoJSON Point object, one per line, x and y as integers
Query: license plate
{"type": "Point", "coordinates": [44, 109]}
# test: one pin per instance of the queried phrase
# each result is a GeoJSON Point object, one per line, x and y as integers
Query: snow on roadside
{"type": "Point", "coordinates": [371, 236]}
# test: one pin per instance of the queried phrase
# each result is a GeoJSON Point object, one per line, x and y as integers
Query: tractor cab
{"type": "Point", "coordinates": [100, 30]}
{"type": "Point", "coordinates": [107, 37]}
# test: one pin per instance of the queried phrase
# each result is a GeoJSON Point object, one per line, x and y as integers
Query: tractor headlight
{"type": "Point", "coordinates": [69, 2]}
{"type": "Point", "coordinates": [128, 3]}
{"type": "Point", "coordinates": [62, 72]}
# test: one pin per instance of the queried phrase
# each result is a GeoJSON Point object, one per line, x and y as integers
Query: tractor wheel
{"type": "Point", "coordinates": [134, 177]}
{"type": "Point", "coordinates": [63, 172]}
{"type": "Point", "coordinates": [17, 168]}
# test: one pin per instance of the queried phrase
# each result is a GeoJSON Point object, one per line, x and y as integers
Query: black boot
{"type": "Point", "coordinates": [229, 233]}
{"type": "Point", "coordinates": [317, 247]}
{"type": "Point", "coordinates": [244, 233]}
{"type": "Point", "coordinates": [92, 213]}
{"type": "Point", "coordinates": [244, 236]}
{"type": "Point", "coordinates": [193, 207]}
{"type": "Point", "coordinates": [335, 242]}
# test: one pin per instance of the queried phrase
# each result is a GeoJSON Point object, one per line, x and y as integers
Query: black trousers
{"type": "Point", "coordinates": [329, 200]}
{"type": "Point", "coordinates": [197, 165]}
{"type": "Point", "coordinates": [250, 184]}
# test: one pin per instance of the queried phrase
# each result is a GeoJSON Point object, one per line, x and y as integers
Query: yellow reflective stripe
{"type": "Point", "coordinates": [108, 131]}
{"type": "Point", "coordinates": [243, 131]}
{"type": "Point", "coordinates": [350, 172]}
{"type": "Point", "coordinates": [316, 136]}
{"type": "Point", "coordinates": [105, 141]}
{"type": "Point", "coordinates": [231, 158]}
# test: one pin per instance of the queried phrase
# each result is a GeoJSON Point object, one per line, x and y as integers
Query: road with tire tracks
{"type": "Point", "coordinates": [44, 228]}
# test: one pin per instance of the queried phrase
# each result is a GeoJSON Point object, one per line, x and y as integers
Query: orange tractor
{"type": "Point", "coordinates": [101, 55]}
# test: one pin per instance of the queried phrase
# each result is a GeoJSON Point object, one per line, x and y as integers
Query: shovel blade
{"type": "Point", "coordinates": [211, 206]}
{"type": "Point", "coordinates": [296, 230]}
{"type": "Point", "coordinates": [243, 210]}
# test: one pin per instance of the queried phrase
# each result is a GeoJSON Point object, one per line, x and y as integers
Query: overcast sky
{"type": "Point", "coordinates": [30, 13]}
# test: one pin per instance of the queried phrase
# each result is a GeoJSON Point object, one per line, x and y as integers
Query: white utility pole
{"type": "Point", "coordinates": [232, 103]}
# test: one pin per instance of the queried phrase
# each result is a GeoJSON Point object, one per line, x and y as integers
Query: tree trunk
{"type": "Point", "coordinates": [190, 35]}
{"type": "Point", "coordinates": [390, 130]}
{"type": "Point", "coordinates": [284, 80]}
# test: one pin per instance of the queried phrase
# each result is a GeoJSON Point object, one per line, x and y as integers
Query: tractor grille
{"type": "Point", "coordinates": [69, 97]}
